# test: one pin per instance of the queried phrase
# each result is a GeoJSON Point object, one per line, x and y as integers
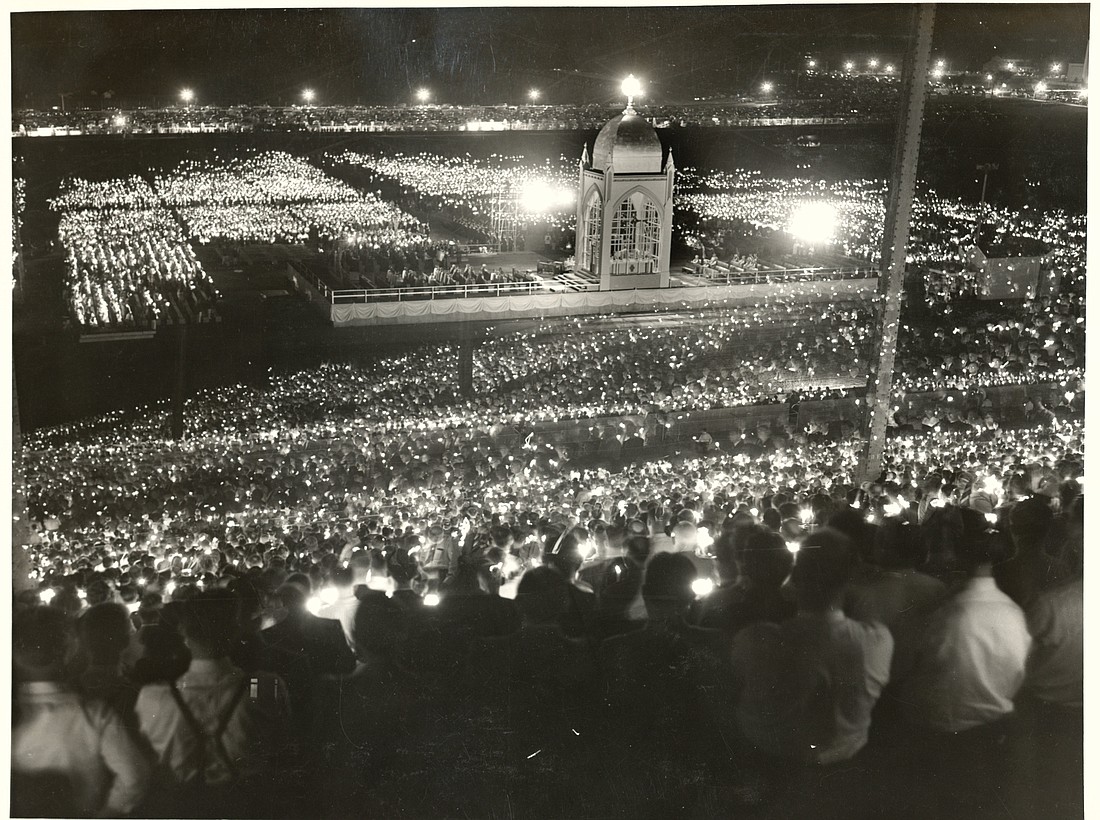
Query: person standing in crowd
{"type": "Point", "coordinates": [763, 562]}
{"type": "Point", "coordinates": [319, 640]}
{"type": "Point", "coordinates": [806, 686]}
{"type": "Point", "coordinates": [967, 669]}
{"type": "Point", "coordinates": [70, 756]}
{"type": "Point", "coordinates": [214, 741]}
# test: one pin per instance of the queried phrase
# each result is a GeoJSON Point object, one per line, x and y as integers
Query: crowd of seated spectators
{"type": "Point", "coordinates": [700, 635]}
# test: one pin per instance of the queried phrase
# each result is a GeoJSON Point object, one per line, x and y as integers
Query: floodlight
{"type": "Point", "coordinates": [702, 587]}
{"type": "Point", "coordinates": [813, 222]}
{"type": "Point", "coordinates": [187, 95]}
{"type": "Point", "coordinates": [631, 87]}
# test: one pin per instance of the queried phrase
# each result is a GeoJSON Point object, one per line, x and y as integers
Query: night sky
{"type": "Point", "coordinates": [487, 55]}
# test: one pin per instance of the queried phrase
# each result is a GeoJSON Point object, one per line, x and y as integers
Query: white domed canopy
{"type": "Point", "coordinates": [630, 143]}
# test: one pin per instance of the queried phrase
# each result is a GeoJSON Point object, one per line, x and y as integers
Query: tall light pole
{"type": "Point", "coordinates": [895, 236]}
{"type": "Point", "coordinates": [985, 169]}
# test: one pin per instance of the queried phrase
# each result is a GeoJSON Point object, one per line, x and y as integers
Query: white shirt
{"type": "Point", "coordinates": [969, 665]}
{"type": "Point", "coordinates": [808, 685]}
{"type": "Point", "coordinates": [208, 688]}
{"type": "Point", "coordinates": [1056, 668]}
{"type": "Point", "coordinates": [84, 743]}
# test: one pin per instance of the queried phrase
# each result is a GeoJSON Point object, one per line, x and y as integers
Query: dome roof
{"type": "Point", "coordinates": [630, 144]}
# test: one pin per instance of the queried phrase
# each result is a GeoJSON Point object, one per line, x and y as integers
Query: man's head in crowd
{"type": "Point", "coordinates": [666, 589]}
{"type": "Point", "coordinates": [381, 626]}
{"type": "Point", "coordinates": [822, 569]}
{"type": "Point", "coordinates": [209, 622]}
{"type": "Point", "coordinates": [763, 557]}
{"type": "Point", "coordinates": [105, 633]}
{"type": "Point", "coordinates": [725, 555]}
{"type": "Point", "coordinates": [897, 545]}
{"type": "Point", "coordinates": [542, 596]}
{"type": "Point", "coordinates": [42, 643]}
{"type": "Point", "coordinates": [982, 545]}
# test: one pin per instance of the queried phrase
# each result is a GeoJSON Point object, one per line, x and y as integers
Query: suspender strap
{"type": "Point", "coordinates": [200, 734]}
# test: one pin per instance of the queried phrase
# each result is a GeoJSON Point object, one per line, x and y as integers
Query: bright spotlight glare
{"type": "Point", "coordinates": [431, 599]}
{"type": "Point", "coordinates": [702, 587]}
{"type": "Point", "coordinates": [187, 95]}
{"type": "Point", "coordinates": [848, 66]}
{"type": "Point", "coordinates": [1040, 87]}
{"type": "Point", "coordinates": [314, 604]}
{"type": "Point", "coordinates": [766, 87]}
{"type": "Point", "coordinates": [308, 95]}
{"type": "Point", "coordinates": [813, 222]}
{"type": "Point", "coordinates": [534, 94]}
{"type": "Point", "coordinates": [873, 63]}
{"type": "Point", "coordinates": [889, 69]}
{"type": "Point", "coordinates": [120, 121]}
{"type": "Point", "coordinates": [539, 196]}
{"type": "Point", "coordinates": [423, 95]}
{"type": "Point", "coordinates": [631, 87]}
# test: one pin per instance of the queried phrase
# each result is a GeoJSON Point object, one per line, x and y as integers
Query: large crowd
{"type": "Point", "coordinates": [128, 263]}
{"type": "Point", "coordinates": [736, 208]}
{"type": "Point", "coordinates": [479, 195]}
{"type": "Point", "coordinates": [338, 585]}
{"type": "Point", "coordinates": [334, 622]}
{"type": "Point", "coordinates": [272, 197]}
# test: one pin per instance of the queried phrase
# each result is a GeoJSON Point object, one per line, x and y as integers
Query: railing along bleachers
{"type": "Point", "coordinates": [415, 293]}
{"type": "Point", "coordinates": [722, 273]}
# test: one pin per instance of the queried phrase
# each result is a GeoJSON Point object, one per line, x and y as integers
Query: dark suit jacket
{"type": "Point", "coordinates": [320, 640]}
